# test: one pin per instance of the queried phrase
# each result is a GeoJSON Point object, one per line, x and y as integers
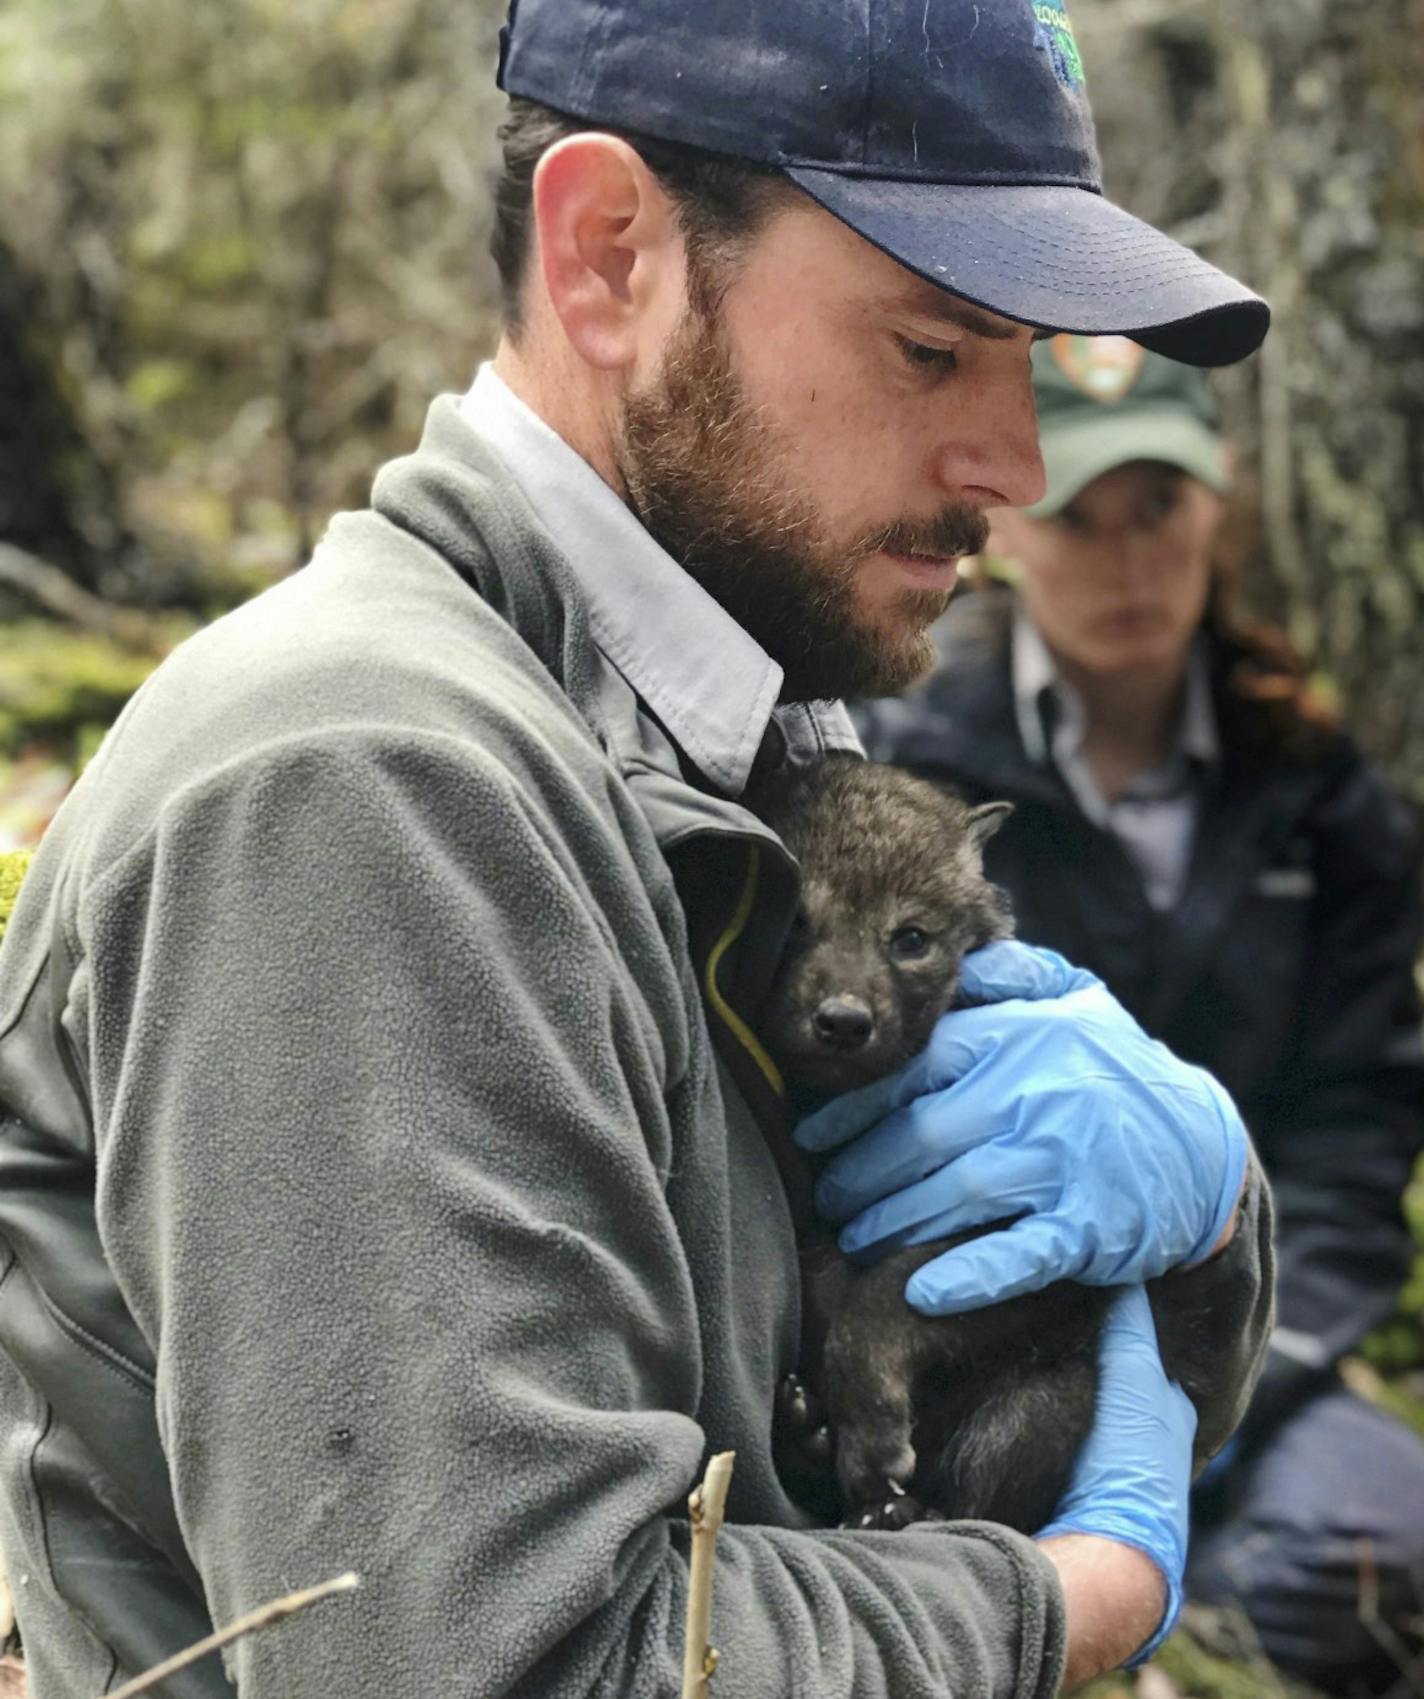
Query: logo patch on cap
{"type": "Point", "coordinates": [1104, 367]}
{"type": "Point", "coordinates": [1053, 35]}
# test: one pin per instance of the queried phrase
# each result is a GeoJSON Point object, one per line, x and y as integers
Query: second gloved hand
{"type": "Point", "coordinates": [1130, 1483]}
{"type": "Point", "coordinates": [1048, 1104]}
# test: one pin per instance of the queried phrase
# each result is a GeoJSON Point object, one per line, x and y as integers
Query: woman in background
{"type": "Point", "coordinates": [1194, 827]}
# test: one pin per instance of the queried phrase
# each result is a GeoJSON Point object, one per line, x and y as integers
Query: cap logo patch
{"type": "Point", "coordinates": [1053, 35]}
{"type": "Point", "coordinates": [1103, 367]}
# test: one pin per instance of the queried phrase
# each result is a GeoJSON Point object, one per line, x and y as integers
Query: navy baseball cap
{"type": "Point", "coordinates": [953, 134]}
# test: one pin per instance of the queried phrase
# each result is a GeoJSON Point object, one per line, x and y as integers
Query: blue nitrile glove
{"type": "Point", "coordinates": [1132, 1476]}
{"type": "Point", "coordinates": [1051, 1105]}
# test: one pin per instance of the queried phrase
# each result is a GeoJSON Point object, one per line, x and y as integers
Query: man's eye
{"type": "Point", "coordinates": [926, 358]}
{"type": "Point", "coordinates": [908, 942]}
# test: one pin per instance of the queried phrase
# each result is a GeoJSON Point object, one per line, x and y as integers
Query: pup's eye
{"type": "Point", "coordinates": [907, 942]}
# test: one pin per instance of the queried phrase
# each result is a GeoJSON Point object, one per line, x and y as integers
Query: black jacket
{"type": "Point", "coordinates": [1286, 968]}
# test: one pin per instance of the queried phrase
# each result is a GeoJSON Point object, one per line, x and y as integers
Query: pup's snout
{"type": "Point", "coordinates": [843, 1023]}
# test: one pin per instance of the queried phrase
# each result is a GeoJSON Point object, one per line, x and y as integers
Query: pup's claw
{"type": "Point", "coordinates": [896, 1510]}
{"type": "Point", "coordinates": [797, 1407]}
{"type": "Point", "coordinates": [820, 1448]}
{"type": "Point", "coordinates": [802, 1440]}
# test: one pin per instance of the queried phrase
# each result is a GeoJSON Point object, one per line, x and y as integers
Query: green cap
{"type": "Point", "coordinates": [1103, 401]}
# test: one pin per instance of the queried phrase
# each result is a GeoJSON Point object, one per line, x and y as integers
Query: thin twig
{"type": "Point", "coordinates": [59, 595]}
{"type": "Point", "coordinates": [54, 590]}
{"type": "Point", "coordinates": [263, 1617]}
{"type": "Point", "coordinates": [1383, 1632]}
{"type": "Point", "coordinates": [705, 1508]}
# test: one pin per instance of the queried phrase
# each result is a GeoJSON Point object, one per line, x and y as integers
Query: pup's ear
{"type": "Point", "coordinates": [985, 820]}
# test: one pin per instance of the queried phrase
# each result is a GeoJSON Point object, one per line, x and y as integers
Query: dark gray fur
{"type": "Point", "coordinates": [978, 1415]}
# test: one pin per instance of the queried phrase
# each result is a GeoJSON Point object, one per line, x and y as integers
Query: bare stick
{"type": "Point", "coordinates": [705, 1508]}
{"type": "Point", "coordinates": [58, 594]}
{"type": "Point", "coordinates": [263, 1617]}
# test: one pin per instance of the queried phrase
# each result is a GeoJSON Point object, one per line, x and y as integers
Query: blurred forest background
{"type": "Point", "coordinates": [242, 244]}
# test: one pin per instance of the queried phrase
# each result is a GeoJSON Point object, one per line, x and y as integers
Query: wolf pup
{"type": "Point", "coordinates": [978, 1415]}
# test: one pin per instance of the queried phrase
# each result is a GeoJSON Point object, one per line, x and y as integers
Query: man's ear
{"type": "Point", "coordinates": [610, 247]}
{"type": "Point", "coordinates": [985, 820]}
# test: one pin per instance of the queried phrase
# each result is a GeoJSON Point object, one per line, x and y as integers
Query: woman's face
{"type": "Point", "coordinates": [1117, 581]}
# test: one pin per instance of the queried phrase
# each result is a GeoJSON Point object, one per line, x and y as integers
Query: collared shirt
{"type": "Point", "coordinates": [1154, 818]}
{"type": "Point", "coordinates": [709, 685]}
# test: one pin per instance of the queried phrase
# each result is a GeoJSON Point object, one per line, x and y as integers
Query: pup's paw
{"type": "Point", "coordinates": [802, 1441]}
{"type": "Point", "coordinates": [896, 1509]}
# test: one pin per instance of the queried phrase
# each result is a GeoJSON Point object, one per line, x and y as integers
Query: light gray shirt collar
{"type": "Point", "coordinates": [1035, 672]}
{"type": "Point", "coordinates": [1155, 817]}
{"type": "Point", "coordinates": [710, 685]}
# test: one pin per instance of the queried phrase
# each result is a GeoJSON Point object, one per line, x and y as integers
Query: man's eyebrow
{"type": "Point", "coordinates": [956, 312]}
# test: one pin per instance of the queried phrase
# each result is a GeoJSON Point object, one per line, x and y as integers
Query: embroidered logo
{"type": "Point", "coordinates": [1298, 882]}
{"type": "Point", "coordinates": [1053, 35]}
{"type": "Point", "coordinates": [1104, 367]}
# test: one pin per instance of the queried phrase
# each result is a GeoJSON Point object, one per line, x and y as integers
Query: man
{"type": "Point", "coordinates": [1190, 823]}
{"type": "Point", "coordinates": [393, 1181]}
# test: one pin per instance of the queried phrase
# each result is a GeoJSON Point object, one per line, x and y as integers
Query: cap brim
{"type": "Point", "coordinates": [1079, 450]}
{"type": "Point", "coordinates": [1058, 258]}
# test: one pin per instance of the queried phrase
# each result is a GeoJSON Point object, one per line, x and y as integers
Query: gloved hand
{"type": "Point", "coordinates": [1132, 1477]}
{"type": "Point", "coordinates": [1049, 1104]}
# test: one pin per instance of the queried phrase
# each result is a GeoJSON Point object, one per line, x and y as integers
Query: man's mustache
{"type": "Point", "coordinates": [953, 531]}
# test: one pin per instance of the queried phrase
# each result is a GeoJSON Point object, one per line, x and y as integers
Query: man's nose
{"type": "Point", "coordinates": [1136, 553]}
{"type": "Point", "coordinates": [993, 458]}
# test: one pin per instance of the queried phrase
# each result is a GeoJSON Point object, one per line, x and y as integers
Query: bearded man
{"type": "Point", "coordinates": [391, 1183]}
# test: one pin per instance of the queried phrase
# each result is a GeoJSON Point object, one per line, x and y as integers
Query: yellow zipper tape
{"type": "Point", "coordinates": [744, 1034]}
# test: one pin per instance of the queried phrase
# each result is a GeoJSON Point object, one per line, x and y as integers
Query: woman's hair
{"type": "Point", "coordinates": [1269, 706]}
{"type": "Point", "coordinates": [720, 201]}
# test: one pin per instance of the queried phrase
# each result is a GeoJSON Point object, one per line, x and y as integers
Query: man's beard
{"type": "Point", "coordinates": [703, 471]}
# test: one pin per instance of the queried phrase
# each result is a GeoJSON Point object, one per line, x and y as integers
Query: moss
{"type": "Point", "coordinates": [1213, 1655]}
{"type": "Point", "coordinates": [13, 865]}
{"type": "Point", "coordinates": [60, 684]}
{"type": "Point", "coordinates": [1398, 1346]}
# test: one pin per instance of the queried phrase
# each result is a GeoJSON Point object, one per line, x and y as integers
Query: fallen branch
{"type": "Point", "coordinates": [1409, 1662]}
{"type": "Point", "coordinates": [60, 596]}
{"type": "Point", "coordinates": [705, 1508]}
{"type": "Point", "coordinates": [263, 1617]}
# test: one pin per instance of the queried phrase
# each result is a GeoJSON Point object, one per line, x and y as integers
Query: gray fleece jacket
{"type": "Point", "coordinates": [390, 1181]}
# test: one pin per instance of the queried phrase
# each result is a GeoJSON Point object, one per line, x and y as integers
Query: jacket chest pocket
{"type": "Point", "coordinates": [1289, 878]}
{"type": "Point", "coordinates": [1259, 973]}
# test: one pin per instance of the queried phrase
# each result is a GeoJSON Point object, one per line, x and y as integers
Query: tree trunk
{"type": "Point", "coordinates": [1285, 138]}
{"type": "Point", "coordinates": [53, 494]}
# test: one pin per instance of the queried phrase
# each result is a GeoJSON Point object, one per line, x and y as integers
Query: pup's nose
{"type": "Point", "coordinates": [845, 1023]}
